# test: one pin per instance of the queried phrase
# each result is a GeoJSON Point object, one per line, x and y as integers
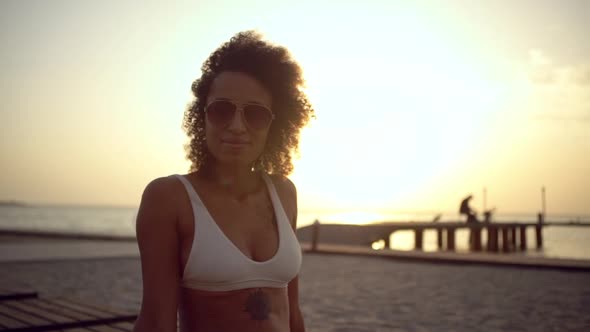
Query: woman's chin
{"type": "Point", "coordinates": [234, 160]}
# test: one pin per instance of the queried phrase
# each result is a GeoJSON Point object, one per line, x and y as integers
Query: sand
{"type": "Point", "coordinates": [354, 293]}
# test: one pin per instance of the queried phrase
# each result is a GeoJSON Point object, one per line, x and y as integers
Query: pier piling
{"type": "Point", "coordinates": [439, 238]}
{"type": "Point", "coordinates": [522, 231]}
{"type": "Point", "coordinates": [505, 238]}
{"type": "Point", "coordinates": [418, 239]}
{"type": "Point", "coordinates": [451, 239]}
{"type": "Point", "coordinates": [476, 238]}
{"type": "Point", "coordinates": [539, 235]}
{"type": "Point", "coordinates": [492, 244]}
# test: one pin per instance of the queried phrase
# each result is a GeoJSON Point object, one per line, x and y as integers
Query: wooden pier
{"type": "Point", "coordinates": [501, 237]}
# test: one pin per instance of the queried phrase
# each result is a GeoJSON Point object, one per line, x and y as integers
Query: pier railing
{"type": "Point", "coordinates": [501, 237]}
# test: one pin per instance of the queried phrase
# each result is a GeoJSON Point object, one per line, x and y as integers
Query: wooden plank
{"type": "Point", "coordinates": [105, 328]}
{"type": "Point", "coordinates": [9, 323]}
{"type": "Point", "coordinates": [124, 326]}
{"type": "Point", "coordinates": [82, 308]}
{"type": "Point", "coordinates": [118, 327]}
{"type": "Point", "coordinates": [102, 325]}
{"type": "Point", "coordinates": [111, 311]}
{"type": "Point", "coordinates": [99, 328]}
{"type": "Point", "coordinates": [12, 293]}
{"type": "Point", "coordinates": [91, 307]}
{"type": "Point", "coordinates": [48, 315]}
{"type": "Point", "coordinates": [104, 316]}
{"type": "Point", "coordinates": [22, 316]}
{"type": "Point", "coordinates": [54, 315]}
{"type": "Point", "coordinates": [13, 296]}
{"type": "Point", "coordinates": [60, 310]}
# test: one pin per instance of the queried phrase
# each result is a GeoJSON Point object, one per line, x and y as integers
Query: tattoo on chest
{"type": "Point", "coordinates": [258, 305]}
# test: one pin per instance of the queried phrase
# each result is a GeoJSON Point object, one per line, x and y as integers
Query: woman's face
{"type": "Point", "coordinates": [239, 137]}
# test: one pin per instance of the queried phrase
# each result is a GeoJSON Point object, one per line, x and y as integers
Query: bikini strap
{"type": "Point", "coordinates": [192, 193]}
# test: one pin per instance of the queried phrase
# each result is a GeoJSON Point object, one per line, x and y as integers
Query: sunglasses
{"type": "Point", "coordinates": [221, 112]}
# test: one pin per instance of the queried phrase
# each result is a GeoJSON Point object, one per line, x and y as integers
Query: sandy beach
{"type": "Point", "coordinates": [355, 293]}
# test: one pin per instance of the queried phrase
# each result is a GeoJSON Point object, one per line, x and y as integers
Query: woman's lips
{"type": "Point", "coordinates": [234, 143]}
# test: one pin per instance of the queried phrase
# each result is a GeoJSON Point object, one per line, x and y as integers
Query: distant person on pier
{"type": "Point", "coordinates": [467, 210]}
{"type": "Point", "coordinates": [487, 215]}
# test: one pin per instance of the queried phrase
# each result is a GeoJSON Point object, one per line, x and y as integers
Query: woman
{"type": "Point", "coordinates": [218, 245]}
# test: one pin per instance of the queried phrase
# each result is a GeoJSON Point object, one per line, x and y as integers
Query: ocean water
{"type": "Point", "coordinates": [559, 241]}
{"type": "Point", "coordinates": [117, 221]}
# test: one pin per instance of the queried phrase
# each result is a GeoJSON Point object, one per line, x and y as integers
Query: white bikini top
{"type": "Point", "coordinates": [216, 264]}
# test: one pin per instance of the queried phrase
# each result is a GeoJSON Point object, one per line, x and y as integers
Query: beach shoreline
{"type": "Point", "coordinates": [35, 246]}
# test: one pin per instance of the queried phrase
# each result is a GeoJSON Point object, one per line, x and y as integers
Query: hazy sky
{"type": "Point", "coordinates": [418, 102]}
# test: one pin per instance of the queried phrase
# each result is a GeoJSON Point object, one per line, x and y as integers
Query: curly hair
{"type": "Point", "coordinates": [276, 70]}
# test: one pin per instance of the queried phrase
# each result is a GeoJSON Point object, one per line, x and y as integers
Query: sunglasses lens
{"type": "Point", "coordinates": [221, 112]}
{"type": "Point", "coordinates": [257, 116]}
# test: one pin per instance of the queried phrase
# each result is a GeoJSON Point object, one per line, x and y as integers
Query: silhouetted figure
{"type": "Point", "coordinates": [467, 210]}
{"type": "Point", "coordinates": [540, 218]}
{"type": "Point", "coordinates": [487, 215]}
{"type": "Point", "coordinates": [315, 235]}
{"type": "Point", "coordinates": [471, 216]}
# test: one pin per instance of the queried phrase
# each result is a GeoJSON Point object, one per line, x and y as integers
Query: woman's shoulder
{"type": "Point", "coordinates": [284, 185]}
{"type": "Point", "coordinates": [162, 193]}
{"type": "Point", "coordinates": [162, 186]}
{"type": "Point", "coordinates": [288, 196]}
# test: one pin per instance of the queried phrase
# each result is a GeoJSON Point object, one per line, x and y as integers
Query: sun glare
{"type": "Point", "coordinates": [402, 115]}
{"type": "Point", "coordinates": [378, 245]}
{"type": "Point", "coordinates": [417, 102]}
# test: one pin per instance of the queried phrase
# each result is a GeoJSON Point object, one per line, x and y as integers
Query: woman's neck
{"type": "Point", "coordinates": [236, 180]}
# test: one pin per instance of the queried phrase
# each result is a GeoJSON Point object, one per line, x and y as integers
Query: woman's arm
{"type": "Point", "coordinates": [295, 317]}
{"type": "Point", "coordinates": [158, 246]}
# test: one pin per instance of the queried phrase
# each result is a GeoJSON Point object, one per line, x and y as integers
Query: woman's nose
{"type": "Point", "coordinates": [238, 122]}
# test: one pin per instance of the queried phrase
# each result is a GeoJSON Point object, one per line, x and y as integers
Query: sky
{"type": "Point", "coordinates": [418, 103]}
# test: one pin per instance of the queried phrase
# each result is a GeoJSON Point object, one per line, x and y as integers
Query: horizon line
{"type": "Point", "coordinates": [425, 212]}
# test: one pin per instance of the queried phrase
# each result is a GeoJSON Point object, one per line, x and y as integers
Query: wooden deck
{"type": "Point", "coordinates": [30, 314]}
